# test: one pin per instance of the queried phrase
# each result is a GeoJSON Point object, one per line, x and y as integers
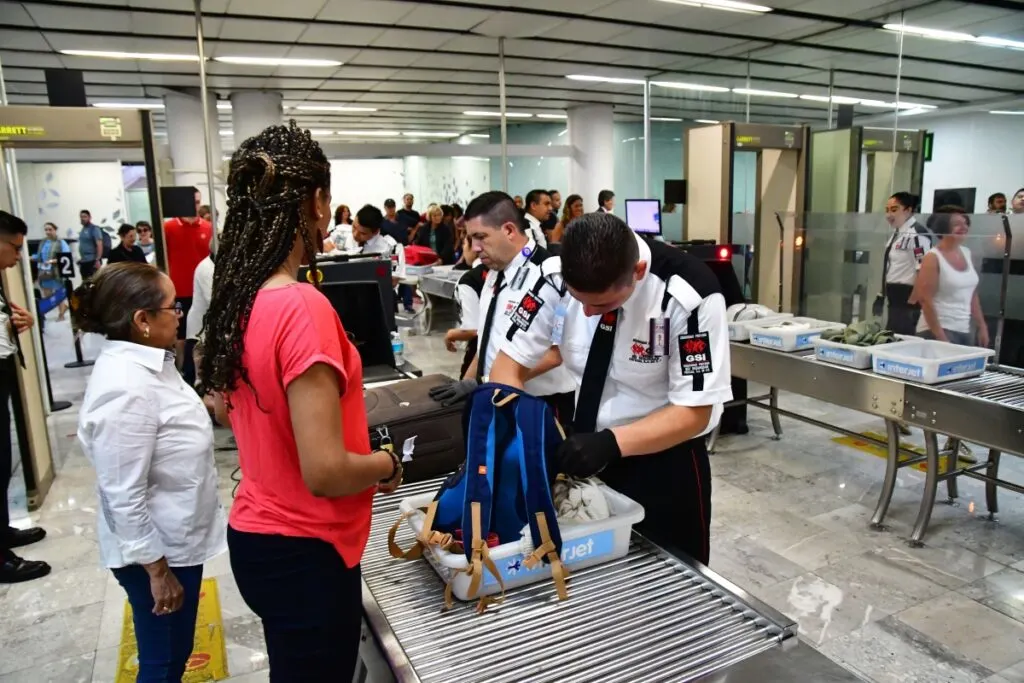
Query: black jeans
{"type": "Point", "coordinates": [674, 487]}
{"type": "Point", "coordinates": [87, 268]}
{"type": "Point", "coordinates": [902, 314]}
{"type": "Point", "coordinates": [309, 601]}
{"type": "Point", "coordinates": [8, 393]}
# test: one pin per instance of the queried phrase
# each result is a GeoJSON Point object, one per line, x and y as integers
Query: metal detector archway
{"type": "Point", "coordinates": [26, 127]}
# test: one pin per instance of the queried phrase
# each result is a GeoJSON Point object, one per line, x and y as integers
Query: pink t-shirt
{"type": "Point", "coordinates": [291, 329]}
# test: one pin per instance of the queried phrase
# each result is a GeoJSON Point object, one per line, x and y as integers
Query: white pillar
{"type": "Point", "coordinates": [185, 137]}
{"type": "Point", "coordinates": [252, 111]}
{"type": "Point", "coordinates": [592, 167]}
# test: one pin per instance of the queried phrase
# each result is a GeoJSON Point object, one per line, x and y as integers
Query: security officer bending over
{"type": "Point", "coordinates": [513, 259]}
{"type": "Point", "coordinates": [641, 327]}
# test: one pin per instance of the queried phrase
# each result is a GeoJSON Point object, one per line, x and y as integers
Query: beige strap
{"type": "Point", "coordinates": [427, 537]}
{"type": "Point", "coordinates": [503, 402]}
{"type": "Point", "coordinates": [559, 572]}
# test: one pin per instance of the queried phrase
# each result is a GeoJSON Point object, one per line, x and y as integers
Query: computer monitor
{"type": "Point", "coordinates": [644, 216]}
{"type": "Point", "coordinates": [360, 291]}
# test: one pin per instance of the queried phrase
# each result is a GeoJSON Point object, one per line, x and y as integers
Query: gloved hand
{"type": "Point", "coordinates": [453, 392]}
{"type": "Point", "coordinates": [585, 455]}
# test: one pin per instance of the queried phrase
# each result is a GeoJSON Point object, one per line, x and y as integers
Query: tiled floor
{"type": "Point", "coordinates": [790, 525]}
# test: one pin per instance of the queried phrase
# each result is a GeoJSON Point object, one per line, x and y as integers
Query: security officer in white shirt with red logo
{"type": "Point", "coordinates": [641, 327]}
{"type": "Point", "coordinates": [499, 235]}
{"type": "Point", "coordinates": [367, 236]}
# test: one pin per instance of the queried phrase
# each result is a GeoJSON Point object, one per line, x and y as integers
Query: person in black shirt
{"type": "Point", "coordinates": [391, 226]}
{"type": "Point", "coordinates": [127, 250]}
{"type": "Point", "coordinates": [407, 217]}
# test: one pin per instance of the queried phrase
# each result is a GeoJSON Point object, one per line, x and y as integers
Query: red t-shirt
{"type": "Point", "coordinates": [291, 329]}
{"type": "Point", "coordinates": [187, 244]}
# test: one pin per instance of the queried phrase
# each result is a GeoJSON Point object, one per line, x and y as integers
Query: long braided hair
{"type": "Point", "coordinates": [273, 177]}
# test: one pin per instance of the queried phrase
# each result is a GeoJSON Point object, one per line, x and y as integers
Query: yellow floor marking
{"type": "Point", "coordinates": [209, 661]}
{"type": "Point", "coordinates": [880, 451]}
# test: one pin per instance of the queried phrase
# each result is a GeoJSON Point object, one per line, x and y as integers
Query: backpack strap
{"type": "Point", "coordinates": [547, 539]}
{"type": "Point", "coordinates": [428, 536]}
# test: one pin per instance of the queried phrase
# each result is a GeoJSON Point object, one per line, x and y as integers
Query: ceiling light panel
{"type": "Point", "coordinates": [331, 108]}
{"type": "Point", "coordinates": [278, 61]}
{"type": "Point", "coordinates": [129, 105]}
{"type": "Point", "coordinates": [428, 134]}
{"type": "Point", "coordinates": [726, 5]}
{"type": "Point", "coordinates": [764, 93]}
{"type": "Point", "coordinates": [150, 56]}
{"type": "Point", "coordinates": [497, 114]}
{"type": "Point", "coordinates": [689, 86]}
{"type": "Point", "coordinates": [369, 133]}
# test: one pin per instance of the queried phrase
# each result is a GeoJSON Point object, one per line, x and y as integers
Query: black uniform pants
{"type": "Point", "coordinates": [8, 390]}
{"type": "Point", "coordinates": [564, 407]}
{"type": "Point", "coordinates": [674, 487]}
{"type": "Point", "coordinates": [902, 314]}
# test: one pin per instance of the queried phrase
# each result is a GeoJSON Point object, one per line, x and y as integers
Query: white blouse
{"type": "Point", "coordinates": [150, 439]}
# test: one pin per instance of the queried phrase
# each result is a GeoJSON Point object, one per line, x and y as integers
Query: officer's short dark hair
{"type": "Point", "coordinates": [993, 197]}
{"type": "Point", "coordinates": [599, 252]}
{"type": "Point", "coordinates": [125, 229]}
{"type": "Point", "coordinates": [603, 196]}
{"type": "Point", "coordinates": [534, 197]}
{"type": "Point", "coordinates": [494, 209]}
{"type": "Point", "coordinates": [370, 217]}
{"type": "Point", "coordinates": [389, 203]}
{"type": "Point", "coordinates": [908, 201]}
{"type": "Point", "coordinates": [11, 225]}
{"type": "Point", "coordinates": [86, 212]}
{"type": "Point", "coordinates": [941, 223]}
{"type": "Point", "coordinates": [553, 192]}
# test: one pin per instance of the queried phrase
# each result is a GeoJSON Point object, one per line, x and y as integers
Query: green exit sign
{"type": "Point", "coordinates": [929, 143]}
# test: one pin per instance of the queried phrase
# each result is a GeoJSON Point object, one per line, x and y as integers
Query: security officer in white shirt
{"type": "Point", "coordinates": [514, 260]}
{"type": "Point", "coordinates": [368, 238]}
{"type": "Point", "coordinates": [904, 251]}
{"type": "Point", "coordinates": [538, 208]}
{"type": "Point", "coordinates": [642, 328]}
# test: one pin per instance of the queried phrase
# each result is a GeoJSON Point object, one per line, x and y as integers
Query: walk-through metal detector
{"type": "Point", "coordinates": [708, 158]}
{"type": "Point", "coordinates": [25, 127]}
{"type": "Point", "coordinates": [852, 174]}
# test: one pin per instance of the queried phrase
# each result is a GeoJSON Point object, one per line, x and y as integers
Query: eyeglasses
{"type": "Point", "coordinates": [176, 308]}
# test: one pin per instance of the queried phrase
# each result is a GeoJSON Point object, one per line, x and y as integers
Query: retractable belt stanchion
{"type": "Point", "coordinates": [66, 262]}
{"type": "Point", "coordinates": [54, 405]}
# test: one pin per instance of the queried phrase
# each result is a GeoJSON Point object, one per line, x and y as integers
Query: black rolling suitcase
{"type": "Point", "coordinates": [403, 410]}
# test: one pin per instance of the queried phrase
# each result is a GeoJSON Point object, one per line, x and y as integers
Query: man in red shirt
{"type": "Point", "coordinates": [187, 243]}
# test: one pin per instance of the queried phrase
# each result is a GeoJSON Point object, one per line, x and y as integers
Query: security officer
{"type": "Point", "coordinates": [368, 237]}
{"type": "Point", "coordinates": [641, 326]}
{"type": "Point", "coordinates": [498, 234]}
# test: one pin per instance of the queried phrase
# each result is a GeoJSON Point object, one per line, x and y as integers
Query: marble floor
{"type": "Point", "coordinates": [790, 525]}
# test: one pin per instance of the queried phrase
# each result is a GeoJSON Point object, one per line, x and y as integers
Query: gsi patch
{"type": "Point", "coordinates": [695, 354]}
{"type": "Point", "coordinates": [523, 315]}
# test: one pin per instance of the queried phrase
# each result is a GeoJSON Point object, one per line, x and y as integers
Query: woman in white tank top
{"type": "Point", "coordinates": [947, 285]}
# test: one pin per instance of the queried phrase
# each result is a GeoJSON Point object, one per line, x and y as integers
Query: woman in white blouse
{"type": "Point", "coordinates": [149, 437]}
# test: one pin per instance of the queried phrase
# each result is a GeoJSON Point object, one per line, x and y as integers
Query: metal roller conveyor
{"type": "Point", "coordinates": [644, 617]}
{"type": "Point", "coordinates": [986, 410]}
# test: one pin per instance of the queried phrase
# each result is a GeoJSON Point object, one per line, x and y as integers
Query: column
{"type": "Point", "coordinates": [185, 137]}
{"type": "Point", "coordinates": [592, 167]}
{"type": "Point", "coordinates": [252, 111]}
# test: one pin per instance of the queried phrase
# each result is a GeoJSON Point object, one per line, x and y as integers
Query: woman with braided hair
{"type": "Point", "coordinates": [278, 359]}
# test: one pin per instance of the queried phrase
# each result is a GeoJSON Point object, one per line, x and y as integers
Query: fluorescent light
{"type": "Point", "coordinates": [710, 121]}
{"type": "Point", "coordinates": [128, 105]}
{"type": "Point", "coordinates": [369, 133]}
{"type": "Point", "coordinates": [1004, 112]}
{"type": "Point", "coordinates": [277, 61]}
{"type": "Point", "coordinates": [553, 116]}
{"type": "Point", "coordinates": [330, 107]}
{"type": "Point", "coordinates": [227, 133]}
{"type": "Point", "coordinates": [665, 118]}
{"type": "Point", "coordinates": [113, 54]}
{"type": "Point", "coordinates": [837, 99]}
{"type": "Point", "coordinates": [222, 106]}
{"type": "Point", "coordinates": [563, 132]}
{"type": "Point", "coordinates": [474, 158]}
{"type": "Point", "coordinates": [1000, 42]}
{"type": "Point", "coordinates": [605, 79]}
{"type": "Point", "coordinates": [913, 105]}
{"type": "Point", "coordinates": [937, 34]}
{"type": "Point", "coordinates": [877, 103]}
{"type": "Point", "coordinates": [428, 134]}
{"type": "Point", "coordinates": [508, 114]}
{"type": "Point", "coordinates": [727, 5]}
{"type": "Point", "coordinates": [316, 132]}
{"type": "Point", "coordinates": [689, 86]}
{"type": "Point", "coordinates": [485, 136]}
{"type": "Point", "coordinates": [913, 112]}
{"type": "Point", "coordinates": [763, 93]}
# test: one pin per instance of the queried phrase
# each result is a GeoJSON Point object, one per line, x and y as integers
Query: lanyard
{"type": "Point", "coordinates": [596, 372]}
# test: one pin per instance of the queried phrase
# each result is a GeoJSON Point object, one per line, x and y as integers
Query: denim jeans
{"type": "Point", "coordinates": [165, 641]}
{"type": "Point", "coordinates": [309, 601]}
{"type": "Point", "coordinates": [959, 338]}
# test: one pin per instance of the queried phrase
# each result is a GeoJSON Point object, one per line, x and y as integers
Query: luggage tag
{"type": "Point", "coordinates": [558, 329]}
{"type": "Point", "coordinates": [658, 344]}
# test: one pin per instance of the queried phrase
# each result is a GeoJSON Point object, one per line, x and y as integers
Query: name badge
{"type": "Point", "coordinates": [519, 279]}
{"type": "Point", "coordinates": [658, 344]}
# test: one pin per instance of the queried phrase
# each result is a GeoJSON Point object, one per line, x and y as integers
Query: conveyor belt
{"type": "Point", "coordinates": [645, 617]}
{"type": "Point", "coordinates": [1002, 385]}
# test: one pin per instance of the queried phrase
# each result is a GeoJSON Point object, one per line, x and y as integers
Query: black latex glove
{"type": "Point", "coordinates": [453, 392]}
{"type": "Point", "coordinates": [584, 455]}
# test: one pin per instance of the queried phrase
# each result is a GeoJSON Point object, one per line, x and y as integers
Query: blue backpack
{"type": "Point", "coordinates": [503, 486]}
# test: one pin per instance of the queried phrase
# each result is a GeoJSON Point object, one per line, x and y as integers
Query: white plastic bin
{"type": "Point", "coordinates": [738, 331]}
{"type": "Point", "coordinates": [763, 334]}
{"type": "Point", "coordinates": [849, 355]}
{"type": "Point", "coordinates": [929, 361]}
{"type": "Point", "coordinates": [584, 544]}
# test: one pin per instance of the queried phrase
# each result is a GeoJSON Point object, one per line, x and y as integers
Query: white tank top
{"type": "Point", "coordinates": [953, 295]}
